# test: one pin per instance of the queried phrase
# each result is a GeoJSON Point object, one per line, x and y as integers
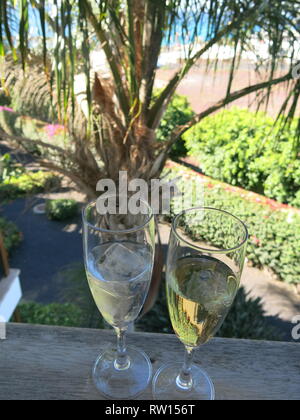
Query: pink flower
{"type": "Point", "coordinates": [54, 129]}
{"type": "Point", "coordinates": [255, 240]}
{"type": "Point", "coordinates": [5, 108]}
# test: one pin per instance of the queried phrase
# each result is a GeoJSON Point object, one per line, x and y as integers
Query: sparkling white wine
{"type": "Point", "coordinates": [200, 292]}
{"type": "Point", "coordinates": [119, 276]}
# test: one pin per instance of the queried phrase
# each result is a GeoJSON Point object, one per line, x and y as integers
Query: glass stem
{"type": "Point", "coordinates": [122, 361]}
{"type": "Point", "coordinates": [184, 380]}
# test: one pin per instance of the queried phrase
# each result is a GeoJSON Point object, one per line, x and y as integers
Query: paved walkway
{"type": "Point", "coordinates": [46, 249]}
{"type": "Point", "coordinates": [280, 302]}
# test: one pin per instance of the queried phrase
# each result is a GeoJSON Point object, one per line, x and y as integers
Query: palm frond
{"type": "Point", "coordinates": [123, 111]}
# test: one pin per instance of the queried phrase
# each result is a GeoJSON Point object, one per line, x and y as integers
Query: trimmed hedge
{"type": "Point", "coordinates": [274, 235]}
{"type": "Point", "coordinates": [61, 314]}
{"type": "Point", "coordinates": [245, 149]}
{"type": "Point", "coordinates": [61, 209]}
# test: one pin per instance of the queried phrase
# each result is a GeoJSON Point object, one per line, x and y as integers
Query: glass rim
{"type": "Point", "coordinates": [116, 231]}
{"type": "Point", "coordinates": [210, 250]}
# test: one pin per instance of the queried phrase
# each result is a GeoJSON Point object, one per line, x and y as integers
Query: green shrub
{"type": "Point", "coordinates": [274, 235]}
{"type": "Point", "coordinates": [178, 112]}
{"type": "Point", "coordinates": [243, 148]}
{"type": "Point", "coordinates": [62, 314]}
{"type": "Point", "coordinates": [9, 192]}
{"type": "Point", "coordinates": [296, 201]}
{"type": "Point", "coordinates": [61, 209]}
{"type": "Point", "coordinates": [35, 182]}
{"type": "Point", "coordinates": [9, 168]}
{"type": "Point", "coordinates": [11, 234]}
{"type": "Point", "coordinates": [27, 184]}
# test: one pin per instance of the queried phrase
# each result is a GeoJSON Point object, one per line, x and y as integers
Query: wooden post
{"type": "Point", "coordinates": [4, 257]}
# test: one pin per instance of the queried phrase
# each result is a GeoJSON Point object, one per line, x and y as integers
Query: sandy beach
{"type": "Point", "coordinates": [204, 87]}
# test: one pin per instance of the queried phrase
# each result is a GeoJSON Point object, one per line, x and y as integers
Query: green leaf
{"type": "Point", "coordinates": [23, 30]}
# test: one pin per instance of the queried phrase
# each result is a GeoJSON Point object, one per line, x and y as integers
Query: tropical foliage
{"type": "Point", "coordinates": [28, 183]}
{"type": "Point", "coordinates": [243, 148]}
{"type": "Point", "coordinates": [113, 115]}
{"type": "Point", "coordinates": [9, 168]}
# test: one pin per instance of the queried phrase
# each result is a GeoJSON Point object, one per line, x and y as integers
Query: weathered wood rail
{"type": "Point", "coordinates": [38, 362]}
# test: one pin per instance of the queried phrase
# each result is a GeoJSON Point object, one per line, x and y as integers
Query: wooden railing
{"type": "Point", "coordinates": [39, 362]}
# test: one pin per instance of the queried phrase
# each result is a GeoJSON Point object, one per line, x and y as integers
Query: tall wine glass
{"type": "Point", "coordinates": [119, 256]}
{"type": "Point", "coordinates": [205, 261]}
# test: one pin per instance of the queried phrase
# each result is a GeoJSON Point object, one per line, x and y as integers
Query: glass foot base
{"type": "Point", "coordinates": [122, 384]}
{"type": "Point", "coordinates": [164, 384]}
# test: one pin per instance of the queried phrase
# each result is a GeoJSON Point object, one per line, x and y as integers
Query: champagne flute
{"type": "Point", "coordinates": [119, 256]}
{"type": "Point", "coordinates": [204, 266]}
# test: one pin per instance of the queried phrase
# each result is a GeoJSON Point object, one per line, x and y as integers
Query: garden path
{"type": "Point", "coordinates": [46, 249]}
